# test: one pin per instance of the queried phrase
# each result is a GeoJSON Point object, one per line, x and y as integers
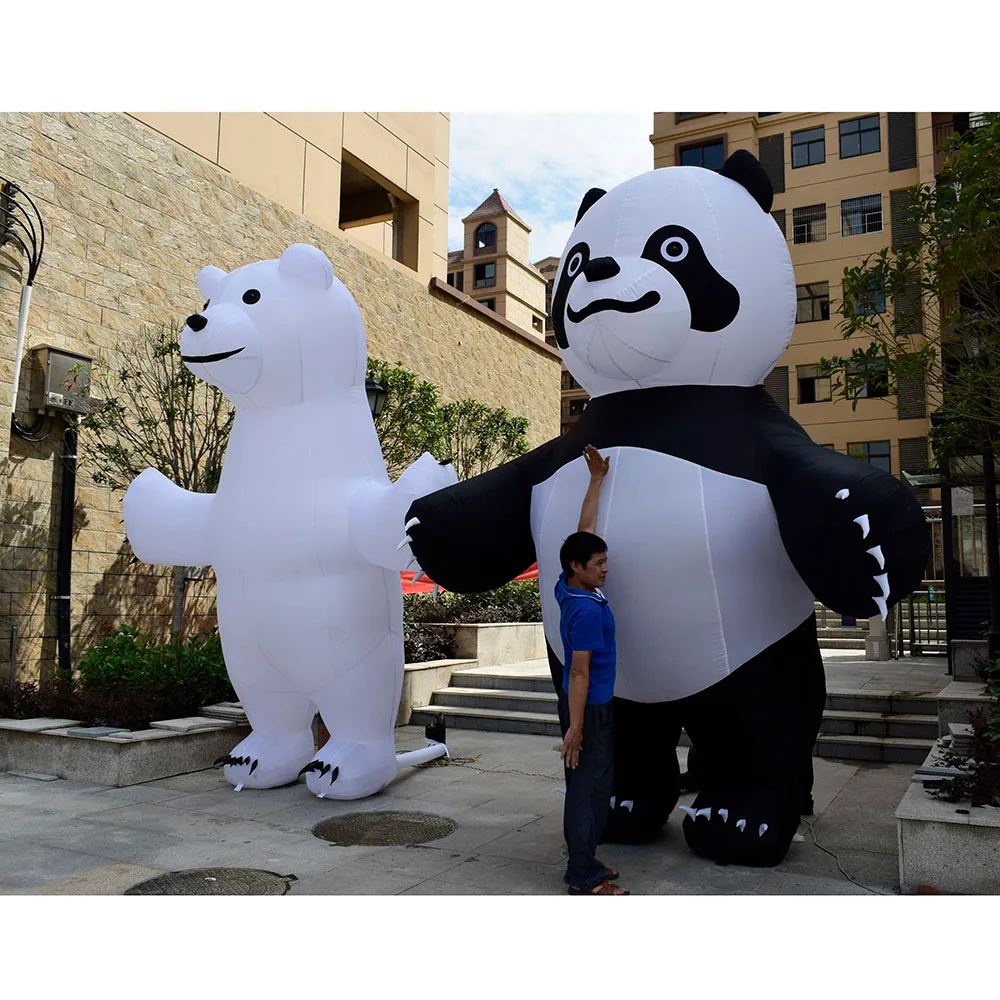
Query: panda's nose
{"type": "Point", "coordinates": [600, 268]}
{"type": "Point", "coordinates": [197, 322]}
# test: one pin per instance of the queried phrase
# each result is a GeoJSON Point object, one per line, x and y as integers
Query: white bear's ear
{"type": "Point", "coordinates": [210, 280]}
{"type": "Point", "coordinates": [305, 263]}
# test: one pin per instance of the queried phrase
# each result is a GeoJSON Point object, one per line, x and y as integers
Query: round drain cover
{"type": "Point", "coordinates": [214, 882]}
{"type": "Point", "coordinates": [383, 829]}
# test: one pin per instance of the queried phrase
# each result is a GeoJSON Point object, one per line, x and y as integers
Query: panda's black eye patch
{"type": "Point", "coordinates": [713, 300]}
{"type": "Point", "coordinates": [251, 296]}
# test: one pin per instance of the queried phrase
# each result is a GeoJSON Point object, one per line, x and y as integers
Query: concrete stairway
{"type": "Point", "coordinates": [871, 726]}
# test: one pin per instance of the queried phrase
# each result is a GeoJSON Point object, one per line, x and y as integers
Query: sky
{"type": "Point", "coordinates": [543, 163]}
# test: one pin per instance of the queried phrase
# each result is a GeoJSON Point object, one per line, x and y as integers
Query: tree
{"type": "Point", "coordinates": [473, 435]}
{"type": "Point", "coordinates": [943, 279]}
{"type": "Point", "coordinates": [157, 413]}
{"type": "Point", "coordinates": [478, 437]}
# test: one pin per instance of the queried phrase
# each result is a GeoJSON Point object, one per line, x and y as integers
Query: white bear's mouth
{"type": "Point", "coordinates": [202, 359]}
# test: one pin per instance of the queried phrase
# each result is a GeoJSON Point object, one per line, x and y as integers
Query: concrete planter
{"type": "Point", "coordinates": [957, 701]}
{"type": "Point", "coordinates": [956, 852]}
{"type": "Point", "coordinates": [495, 645]}
{"type": "Point", "coordinates": [420, 680]}
{"type": "Point", "coordinates": [120, 760]}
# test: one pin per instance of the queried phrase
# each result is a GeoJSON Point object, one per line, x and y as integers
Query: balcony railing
{"type": "Point", "coordinates": [960, 122]}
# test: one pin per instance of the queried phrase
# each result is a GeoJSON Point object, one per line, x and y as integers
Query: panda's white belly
{"type": "Point", "coordinates": [698, 579]}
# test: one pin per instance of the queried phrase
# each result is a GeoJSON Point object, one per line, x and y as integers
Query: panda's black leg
{"type": "Point", "coordinates": [647, 775]}
{"type": "Point", "coordinates": [755, 733]}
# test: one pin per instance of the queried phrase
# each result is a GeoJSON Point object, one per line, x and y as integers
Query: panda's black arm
{"type": "Point", "coordinates": [855, 534]}
{"type": "Point", "coordinates": [476, 535]}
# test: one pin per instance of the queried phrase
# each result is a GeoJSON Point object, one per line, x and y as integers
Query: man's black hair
{"type": "Point", "coordinates": [579, 548]}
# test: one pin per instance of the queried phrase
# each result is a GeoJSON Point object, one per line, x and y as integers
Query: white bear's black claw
{"type": "Point", "coordinates": [253, 766]}
{"type": "Point", "coordinates": [324, 769]}
{"type": "Point", "coordinates": [224, 759]}
{"type": "Point", "coordinates": [334, 775]}
{"type": "Point", "coordinates": [313, 765]}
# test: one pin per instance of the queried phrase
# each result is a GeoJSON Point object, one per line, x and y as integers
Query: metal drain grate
{"type": "Point", "coordinates": [214, 882]}
{"type": "Point", "coordinates": [384, 829]}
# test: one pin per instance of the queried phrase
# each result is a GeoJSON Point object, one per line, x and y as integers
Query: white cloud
{"type": "Point", "coordinates": [543, 163]}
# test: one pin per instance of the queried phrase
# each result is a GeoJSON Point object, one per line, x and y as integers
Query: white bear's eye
{"type": "Point", "coordinates": [575, 263]}
{"type": "Point", "coordinates": [674, 249]}
{"type": "Point", "coordinates": [251, 296]}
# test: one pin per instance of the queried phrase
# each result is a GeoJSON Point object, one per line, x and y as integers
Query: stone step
{"type": "Point", "coordinates": [858, 643]}
{"type": "Point", "coordinates": [873, 748]}
{"type": "Point", "coordinates": [842, 633]}
{"type": "Point", "coordinates": [489, 720]}
{"type": "Point", "coordinates": [502, 681]}
{"type": "Point", "coordinates": [882, 702]}
{"type": "Point", "coordinates": [501, 699]}
{"type": "Point", "coordinates": [886, 726]}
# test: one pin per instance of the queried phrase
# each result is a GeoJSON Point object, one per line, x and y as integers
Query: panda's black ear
{"type": "Point", "coordinates": [593, 195]}
{"type": "Point", "coordinates": [744, 168]}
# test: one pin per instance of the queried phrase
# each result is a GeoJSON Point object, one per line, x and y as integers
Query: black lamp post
{"type": "Point", "coordinates": [377, 397]}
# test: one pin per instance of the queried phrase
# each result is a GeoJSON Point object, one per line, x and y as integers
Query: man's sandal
{"type": "Point", "coordinates": [604, 888]}
{"type": "Point", "coordinates": [609, 875]}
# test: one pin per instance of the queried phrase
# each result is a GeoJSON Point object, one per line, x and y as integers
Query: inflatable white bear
{"type": "Point", "coordinates": [303, 530]}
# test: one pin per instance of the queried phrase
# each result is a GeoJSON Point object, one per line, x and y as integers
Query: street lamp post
{"type": "Point", "coordinates": [377, 397]}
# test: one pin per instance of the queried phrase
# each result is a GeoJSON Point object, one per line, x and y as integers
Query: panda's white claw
{"type": "Point", "coordinates": [843, 494]}
{"type": "Point", "coordinates": [409, 524]}
{"type": "Point", "coordinates": [406, 541]}
{"type": "Point", "coordinates": [724, 813]}
{"type": "Point", "coordinates": [876, 553]}
{"type": "Point", "coordinates": [883, 610]}
{"type": "Point", "coordinates": [628, 804]}
{"type": "Point", "coordinates": [706, 812]}
{"type": "Point", "coordinates": [761, 830]}
{"type": "Point", "coordinates": [741, 825]}
{"type": "Point", "coordinates": [691, 812]}
{"type": "Point", "coordinates": [862, 521]}
{"type": "Point", "coordinates": [613, 800]}
{"type": "Point", "coordinates": [883, 581]}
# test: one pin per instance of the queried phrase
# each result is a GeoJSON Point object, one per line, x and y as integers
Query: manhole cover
{"type": "Point", "coordinates": [383, 829]}
{"type": "Point", "coordinates": [214, 882]}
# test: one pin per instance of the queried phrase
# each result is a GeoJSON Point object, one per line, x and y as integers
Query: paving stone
{"type": "Point", "coordinates": [92, 732]}
{"type": "Point", "coordinates": [34, 775]}
{"type": "Point", "coordinates": [36, 725]}
{"type": "Point", "coordinates": [188, 725]}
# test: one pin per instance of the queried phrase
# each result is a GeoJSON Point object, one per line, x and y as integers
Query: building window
{"type": "Point", "coordinates": [485, 275]}
{"type": "Point", "coordinates": [536, 322]}
{"type": "Point", "coordinates": [451, 278]}
{"type": "Point", "coordinates": [876, 382]}
{"type": "Point", "coordinates": [577, 406]}
{"type": "Point", "coordinates": [873, 452]}
{"type": "Point", "coordinates": [809, 147]}
{"type": "Point", "coordinates": [813, 302]}
{"type": "Point", "coordinates": [809, 224]}
{"type": "Point", "coordinates": [489, 303]}
{"type": "Point", "coordinates": [861, 215]}
{"type": "Point", "coordinates": [705, 154]}
{"type": "Point", "coordinates": [813, 388]}
{"type": "Point", "coordinates": [680, 116]}
{"type": "Point", "coordinates": [870, 302]}
{"type": "Point", "coordinates": [859, 136]}
{"type": "Point", "coordinates": [485, 237]}
{"type": "Point", "coordinates": [568, 382]}
{"type": "Point", "coordinates": [460, 280]}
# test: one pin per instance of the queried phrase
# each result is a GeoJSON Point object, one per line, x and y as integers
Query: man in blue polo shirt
{"type": "Point", "coordinates": [587, 628]}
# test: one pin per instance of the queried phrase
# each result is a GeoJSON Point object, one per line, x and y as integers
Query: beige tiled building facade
{"type": "Point", "coordinates": [134, 205]}
{"type": "Point", "coordinates": [839, 182]}
{"type": "Point", "coordinates": [493, 266]}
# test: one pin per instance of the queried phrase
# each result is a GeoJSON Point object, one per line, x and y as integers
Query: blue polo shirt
{"type": "Point", "coordinates": [586, 623]}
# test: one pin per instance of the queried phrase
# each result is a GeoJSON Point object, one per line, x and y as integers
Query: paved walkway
{"type": "Point", "coordinates": [63, 837]}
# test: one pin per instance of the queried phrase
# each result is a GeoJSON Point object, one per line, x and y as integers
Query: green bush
{"type": "Point", "coordinates": [513, 602]}
{"type": "Point", "coordinates": [126, 680]}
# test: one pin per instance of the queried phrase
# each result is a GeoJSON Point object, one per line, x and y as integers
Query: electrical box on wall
{"type": "Point", "coordinates": [61, 381]}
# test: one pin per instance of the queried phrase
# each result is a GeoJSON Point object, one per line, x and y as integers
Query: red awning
{"type": "Point", "coordinates": [425, 585]}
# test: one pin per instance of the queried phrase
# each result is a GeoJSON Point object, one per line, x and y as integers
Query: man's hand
{"type": "Point", "coordinates": [598, 466]}
{"type": "Point", "coordinates": [571, 747]}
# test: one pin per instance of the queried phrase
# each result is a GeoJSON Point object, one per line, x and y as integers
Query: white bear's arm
{"type": "Point", "coordinates": [378, 511]}
{"type": "Point", "coordinates": [166, 525]}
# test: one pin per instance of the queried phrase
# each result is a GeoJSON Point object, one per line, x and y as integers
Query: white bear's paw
{"type": "Point", "coordinates": [350, 770]}
{"type": "Point", "coordinates": [262, 761]}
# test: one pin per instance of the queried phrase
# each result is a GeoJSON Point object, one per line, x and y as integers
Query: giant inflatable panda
{"type": "Point", "coordinates": [673, 300]}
